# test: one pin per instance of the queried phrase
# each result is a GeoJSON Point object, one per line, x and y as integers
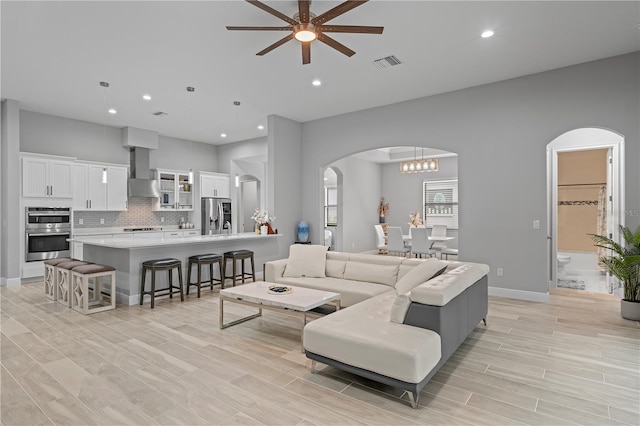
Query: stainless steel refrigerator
{"type": "Point", "coordinates": [216, 216]}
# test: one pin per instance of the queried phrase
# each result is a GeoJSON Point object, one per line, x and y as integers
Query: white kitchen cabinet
{"type": "Point", "coordinates": [148, 235]}
{"type": "Point", "coordinates": [44, 177]}
{"type": "Point", "coordinates": [192, 232]}
{"type": "Point", "coordinates": [117, 188]}
{"type": "Point", "coordinates": [90, 192]}
{"type": "Point", "coordinates": [176, 193]}
{"type": "Point", "coordinates": [214, 185]}
{"type": "Point", "coordinates": [173, 234]}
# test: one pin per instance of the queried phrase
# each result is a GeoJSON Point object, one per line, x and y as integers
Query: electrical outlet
{"type": "Point", "coordinates": [101, 221]}
{"type": "Point", "coordinates": [500, 272]}
{"type": "Point", "coordinates": [80, 221]}
{"type": "Point", "coordinates": [162, 219]}
{"type": "Point", "coordinates": [536, 224]}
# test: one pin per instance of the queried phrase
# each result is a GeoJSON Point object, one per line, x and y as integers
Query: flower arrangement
{"type": "Point", "coordinates": [383, 209]}
{"type": "Point", "coordinates": [414, 219]}
{"type": "Point", "coordinates": [262, 218]}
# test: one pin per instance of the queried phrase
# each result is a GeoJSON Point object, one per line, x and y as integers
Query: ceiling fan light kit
{"type": "Point", "coordinates": [307, 27]}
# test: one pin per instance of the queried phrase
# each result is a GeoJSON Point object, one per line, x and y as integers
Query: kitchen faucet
{"type": "Point", "coordinates": [227, 225]}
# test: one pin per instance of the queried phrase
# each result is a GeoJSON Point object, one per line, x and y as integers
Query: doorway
{"type": "Point", "coordinates": [585, 196]}
{"type": "Point", "coordinates": [248, 202]}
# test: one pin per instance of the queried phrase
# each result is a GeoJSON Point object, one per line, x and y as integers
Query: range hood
{"type": "Point", "coordinates": [140, 184]}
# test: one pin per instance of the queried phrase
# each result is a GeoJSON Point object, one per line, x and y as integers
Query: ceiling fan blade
{"type": "Point", "coordinates": [303, 11]}
{"type": "Point", "coordinates": [306, 52]}
{"type": "Point", "coordinates": [335, 44]}
{"type": "Point", "coordinates": [272, 11]}
{"type": "Point", "coordinates": [351, 29]}
{"type": "Point", "coordinates": [289, 28]}
{"type": "Point", "coordinates": [276, 44]}
{"type": "Point", "coordinates": [337, 11]}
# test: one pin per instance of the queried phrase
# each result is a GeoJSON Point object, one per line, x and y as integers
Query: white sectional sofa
{"type": "Point", "coordinates": [403, 319]}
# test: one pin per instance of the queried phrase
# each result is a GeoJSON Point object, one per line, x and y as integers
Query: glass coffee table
{"type": "Point", "coordinates": [298, 300]}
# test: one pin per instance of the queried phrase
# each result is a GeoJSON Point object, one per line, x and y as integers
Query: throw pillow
{"type": "Point", "coordinates": [306, 261]}
{"type": "Point", "coordinates": [428, 269]}
{"type": "Point", "coordinates": [399, 308]}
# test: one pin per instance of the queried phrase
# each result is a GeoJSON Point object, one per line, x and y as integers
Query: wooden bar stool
{"type": "Point", "coordinates": [161, 265]}
{"type": "Point", "coordinates": [50, 291]}
{"type": "Point", "coordinates": [201, 260]}
{"type": "Point", "coordinates": [88, 297]}
{"type": "Point", "coordinates": [63, 280]}
{"type": "Point", "coordinates": [240, 255]}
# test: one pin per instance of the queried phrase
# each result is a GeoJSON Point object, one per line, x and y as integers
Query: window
{"type": "Point", "coordinates": [440, 203]}
{"type": "Point", "coordinates": [330, 206]}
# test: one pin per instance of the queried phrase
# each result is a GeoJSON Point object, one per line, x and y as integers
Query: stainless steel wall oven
{"type": "Point", "coordinates": [46, 233]}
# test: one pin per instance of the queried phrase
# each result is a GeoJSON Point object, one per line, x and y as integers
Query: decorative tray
{"type": "Point", "coordinates": [279, 289]}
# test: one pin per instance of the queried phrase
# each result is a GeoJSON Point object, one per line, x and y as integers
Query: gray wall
{"type": "Point", "coordinates": [403, 192]}
{"type": "Point", "coordinates": [284, 188]}
{"type": "Point", "coordinates": [500, 132]}
{"type": "Point", "coordinates": [181, 154]}
{"type": "Point", "coordinates": [246, 149]}
{"type": "Point", "coordinates": [361, 183]}
{"type": "Point", "coordinates": [10, 232]}
{"type": "Point", "coordinates": [48, 134]}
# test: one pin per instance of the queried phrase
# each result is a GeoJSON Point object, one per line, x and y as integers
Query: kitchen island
{"type": "Point", "coordinates": [126, 254]}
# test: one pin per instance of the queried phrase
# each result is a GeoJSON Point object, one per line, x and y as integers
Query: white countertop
{"type": "Point", "coordinates": [120, 230]}
{"type": "Point", "coordinates": [124, 242]}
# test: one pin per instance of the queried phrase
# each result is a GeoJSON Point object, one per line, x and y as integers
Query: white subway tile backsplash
{"type": "Point", "coordinates": [139, 213]}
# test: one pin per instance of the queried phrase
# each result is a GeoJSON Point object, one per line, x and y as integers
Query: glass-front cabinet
{"type": "Point", "coordinates": [176, 190]}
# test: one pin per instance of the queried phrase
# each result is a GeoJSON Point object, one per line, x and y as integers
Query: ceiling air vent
{"type": "Point", "coordinates": [160, 113]}
{"type": "Point", "coordinates": [387, 62]}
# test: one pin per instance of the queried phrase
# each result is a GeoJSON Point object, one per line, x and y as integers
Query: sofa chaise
{"type": "Point", "coordinates": [403, 319]}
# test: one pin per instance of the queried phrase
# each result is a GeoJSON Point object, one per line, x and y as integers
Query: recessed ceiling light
{"type": "Point", "coordinates": [316, 83]}
{"type": "Point", "coordinates": [486, 34]}
{"type": "Point", "coordinates": [223, 135]}
{"type": "Point", "coordinates": [112, 111]}
{"type": "Point", "coordinates": [261, 127]}
{"type": "Point", "coordinates": [146, 97]}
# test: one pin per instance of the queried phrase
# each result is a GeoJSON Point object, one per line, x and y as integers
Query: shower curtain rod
{"type": "Point", "coordinates": [583, 184]}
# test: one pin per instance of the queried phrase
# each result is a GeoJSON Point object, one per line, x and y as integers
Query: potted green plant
{"type": "Point", "coordinates": [624, 264]}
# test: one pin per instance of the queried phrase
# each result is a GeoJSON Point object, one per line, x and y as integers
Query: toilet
{"type": "Point", "coordinates": [563, 260]}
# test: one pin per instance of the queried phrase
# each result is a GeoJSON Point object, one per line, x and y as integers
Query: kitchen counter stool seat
{"type": "Point", "coordinates": [241, 255]}
{"type": "Point", "coordinates": [50, 290]}
{"type": "Point", "coordinates": [161, 265]}
{"type": "Point", "coordinates": [63, 280]}
{"type": "Point", "coordinates": [88, 297]}
{"type": "Point", "coordinates": [200, 260]}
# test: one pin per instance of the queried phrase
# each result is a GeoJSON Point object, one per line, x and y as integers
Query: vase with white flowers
{"type": "Point", "coordinates": [414, 219]}
{"type": "Point", "coordinates": [262, 220]}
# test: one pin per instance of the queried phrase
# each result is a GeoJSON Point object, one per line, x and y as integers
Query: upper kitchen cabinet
{"type": "Point", "coordinates": [176, 191]}
{"type": "Point", "coordinates": [100, 187]}
{"type": "Point", "coordinates": [214, 185]}
{"type": "Point", "coordinates": [46, 177]}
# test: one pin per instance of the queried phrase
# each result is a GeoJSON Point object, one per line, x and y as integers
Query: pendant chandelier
{"type": "Point", "coordinates": [419, 165]}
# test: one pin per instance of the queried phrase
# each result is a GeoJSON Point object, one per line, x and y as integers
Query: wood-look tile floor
{"type": "Point", "coordinates": [570, 361]}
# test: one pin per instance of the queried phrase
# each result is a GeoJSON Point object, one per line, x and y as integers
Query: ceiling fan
{"type": "Point", "coordinates": [306, 27]}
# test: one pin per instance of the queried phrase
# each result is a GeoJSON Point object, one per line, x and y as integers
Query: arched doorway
{"type": "Point", "coordinates": [585, 194]}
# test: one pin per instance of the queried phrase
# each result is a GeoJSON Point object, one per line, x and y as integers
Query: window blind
{"type": "Point", "coordinates": [440, 203]}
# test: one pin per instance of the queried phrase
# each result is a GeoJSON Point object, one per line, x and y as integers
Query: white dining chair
{"type": "Point", "coordinates": [438, 246]}
{"type": "Point", "coordinates": [395, 242]}
{"type": "Point", "coordinates": [420, 244]}
{"type": "Point", "coordinates": [382, 242]}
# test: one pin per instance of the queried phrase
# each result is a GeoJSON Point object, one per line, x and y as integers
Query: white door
{"type": "Point", "coordinates": [117, 188]}
{"type": "Point", "coordinates": [60, 179]}
{"type": "Point", "coordinates": [35, 180]}
{"type": "Point", "coordinates": [97, 189]}
{"type": "Point", "coordinates": [80, 187]}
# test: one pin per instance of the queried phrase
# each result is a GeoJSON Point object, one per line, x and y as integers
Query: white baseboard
{"type": "Point", "coordinates": [532, 296]}
{"type": "Point", "coordinates": [10, 282]}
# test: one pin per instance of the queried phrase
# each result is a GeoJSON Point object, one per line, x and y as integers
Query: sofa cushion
{"type": "Point", "coordinates": [306, 261]}
{"type": "Point", "coordinates": [335, 268]}
{"type": "Point", "coordinates": [351, 292]}
{"type": "Point", "coordinates": [399, 308]}
{"type": "Point", "coordinates": [363, 336]}
{"type": "Point", "coordinates": [440, 290]}
{"type": "Point", "coordinates": [370, 272]}
{"type": "Point", "coordinates": [423, 272]}
{"type": "Point", "coordinates": [376, 259]}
